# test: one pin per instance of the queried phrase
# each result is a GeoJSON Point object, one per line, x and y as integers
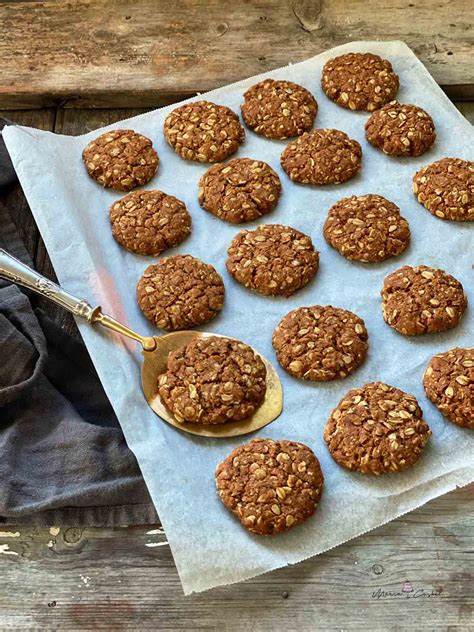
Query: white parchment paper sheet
{"type": "Point", "coordinates": [210, 547]}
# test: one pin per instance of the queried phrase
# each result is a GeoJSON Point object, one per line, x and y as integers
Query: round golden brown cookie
{"type": "Point", "coordinates": [270, 486]}
{"type": "Point", "coordinates": [180, 292]}
{"type": "Point", "coordinates": [121, 159]}
{"type": "Point", "coordinates": [279, 109]}
{"type": "Point", "coordinates": [240, 190]}
{"type": "Point", "coordinates": [203, 131]}
{"type": "Point", "coordinates": [449, 383]}
{"type": "Point", "coordinates": [400, 130]}
{"type": "Point", "coordinates": [320, 343]}
{"type": "Point", "coordinates": [272, 259]}
{"type": "Point", "coordinates": [422, 300]}
{"type": "Point", "coordinates": [366, 228]}
{"type": "Point", "coordinates": [376, 429]}
{"type": "Point", "coordinates": [323, 156]}
{"type": "Point", "coordinates": [359, 81]}
{"type": "Point", "coordinates": [213, 380]}
{"type": "Point", "coordinates": [149, 222]}
{"type": "Point", "coordinates": [446, 189]}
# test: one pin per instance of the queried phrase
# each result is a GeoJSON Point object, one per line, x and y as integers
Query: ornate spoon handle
{"type": "Point", "coordinates": [17, 272]}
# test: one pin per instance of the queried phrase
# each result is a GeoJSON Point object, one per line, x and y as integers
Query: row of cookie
{"type": "Point", "coordinates": [244, 189]}
{"type": "Point", "coordinates": [363, 228]}
{"type": "Point", "coordinates": [366, 228]}
{"type": "Point", "coordinates": [272, 486]}
{"type": "Point", "coordinates": [180, 292]}
{"type": "Point", "coordinates": [124, 159]}
{"type": "Point", "coordinates": [215, 380]}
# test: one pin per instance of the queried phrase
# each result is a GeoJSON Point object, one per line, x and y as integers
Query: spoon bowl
{"type": "Point", "coordinates": [154, 364]}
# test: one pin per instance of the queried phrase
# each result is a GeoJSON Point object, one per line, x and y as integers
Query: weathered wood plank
{"type": "Point", "coordinates": [104, 53]}
{"type": "Point", "coordinates": [90, 579]}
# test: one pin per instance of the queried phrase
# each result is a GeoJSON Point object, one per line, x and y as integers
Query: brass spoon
{"type": "Point", "coordinates": [155, 350]}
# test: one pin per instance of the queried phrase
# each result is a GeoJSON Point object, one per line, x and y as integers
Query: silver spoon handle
{"type": "Point", "coordinates": [17, 272]}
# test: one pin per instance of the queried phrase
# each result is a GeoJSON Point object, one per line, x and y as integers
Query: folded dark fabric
{"type": "Point", "coordinates": [63, 457]}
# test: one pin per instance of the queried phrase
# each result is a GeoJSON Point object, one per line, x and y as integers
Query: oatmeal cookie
{"type": "Point", "coordinates": [323, 156]}
{"type": "Point", "coordinates": [366, 228]}
{"type": "Point", "coordinates": [180, 292]}
{"type": "Point", "coordinates": [446, 189]}
{"type": "Point", "coordinates": [400, 130]}
{"type": "Point", "coordinates": [203, 131]}
{"type": "Point", "coordinates": [359, 81]}
{"type": "Point", "coordinates": [272, 259]}
{"type": "Point", "coordinates": [121, 159]}
{"type": "Point", "coordinates": [449, 383]}
{"type": "Point", "coordinates": [240, 190]}
{"type": "Point", "coordinates": [213, 380]}
{"type": "Point", "coordinates": [149, 222]}
{"type": "Point", "coordinates": [320, 343]}
{"type": "Point", "coordinates": [270, 486]}
{"type": "Point", "coordinates": [279, 109]}
{"type": "Point", "coordinates": [422, 300]}
{"type": "Point", "coordinates": [376, 429]}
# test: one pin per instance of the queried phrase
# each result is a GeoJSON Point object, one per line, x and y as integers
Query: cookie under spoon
{"type": "Point", "coordinates": [155, 350]}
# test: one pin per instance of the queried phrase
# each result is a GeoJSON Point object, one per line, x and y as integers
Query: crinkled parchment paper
{"type": "Point", "coordinates": [210, 547]}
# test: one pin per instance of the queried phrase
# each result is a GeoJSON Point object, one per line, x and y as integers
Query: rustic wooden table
{"type": "Point", "coordinates": [61, 59]}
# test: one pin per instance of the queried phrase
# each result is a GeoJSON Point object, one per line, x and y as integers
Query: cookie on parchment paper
{"type": "Point", "coordinates": [446, 189]}
{"type": "Point", "coordinates": [419, 300]}
{"type": "Point", "coordinates": [359, 81]}
{"type": "Point", "coordinates": [272, 259]}
{"type": "Point", "coordinates": [449, 384]}
{"type": "Point", "coordinates": [213, 380]}
{"type": "Point", "coordinates": [320, 343]}
{"type": "Point", "coordinates": [203, 131]}
{"type": "Point", "coordinates": [240, 190]}
{"type": "Point", "coordinates": [149, 222]}
{"type": "Point", "coordinates": [323, 156]}
{"type": "Point", "coordinates": [121, 159]}
{"type": "Point", "coordinates": [180, 292]}
{"type": "Point", "coordinates": [279, 109]}
{"type": "Point", "coordinates": [401, 130]}
{"type": "Point", "coordinates": [270, 486]}
{"type": "Point", "coordinates": [366, 228]}
{"type": "Point", "coordinates": [376, 429]}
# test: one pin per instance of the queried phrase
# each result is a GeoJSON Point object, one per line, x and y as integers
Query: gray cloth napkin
{"type": "Point", "coordinates": [63, 457]}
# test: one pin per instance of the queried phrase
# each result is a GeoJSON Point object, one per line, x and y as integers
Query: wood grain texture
{"type": "Point", "coordinates": [97, 53]}
{"type": "Point", "coordinates": [109, 579]}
